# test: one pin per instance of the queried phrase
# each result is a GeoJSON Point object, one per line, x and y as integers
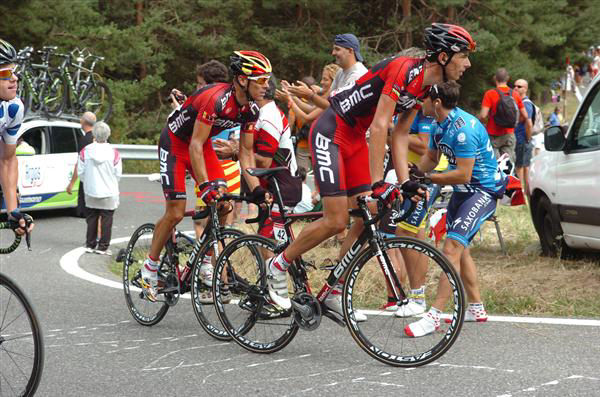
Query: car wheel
{"type": "Point", "coordinates": [550, 232]}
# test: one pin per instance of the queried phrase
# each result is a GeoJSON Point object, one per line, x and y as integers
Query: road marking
{"type": "Point", "coordinates": [69, 263]}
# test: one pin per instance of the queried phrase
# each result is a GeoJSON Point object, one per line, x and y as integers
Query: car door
{"type": "Point", "coordinates": [578, 177]}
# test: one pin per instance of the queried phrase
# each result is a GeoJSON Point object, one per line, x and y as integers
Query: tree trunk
{"type": "Point", "coordinates": [406, 13]}
{"type": "Point", "coordinates": [139, 19]}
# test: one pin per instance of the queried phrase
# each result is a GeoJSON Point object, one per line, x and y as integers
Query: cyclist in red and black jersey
{"type": "Point", "coordinates": [340, 152]}
{"type": "Point", "coordinates": [184, 145]}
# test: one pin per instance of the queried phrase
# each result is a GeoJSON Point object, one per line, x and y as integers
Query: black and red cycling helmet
{"type": "Point", "coordinates": [444, 37]}
{"type": "Point", "coordinates": [7, 53]}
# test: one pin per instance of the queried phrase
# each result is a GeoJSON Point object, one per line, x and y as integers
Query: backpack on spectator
{"type": "Point", "coordinates": [537, 118]}
{"type": "Point", "coordinates": [507, 112]}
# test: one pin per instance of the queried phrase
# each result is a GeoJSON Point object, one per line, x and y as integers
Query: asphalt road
{"type": "Point", "coordinates": [95, 348]}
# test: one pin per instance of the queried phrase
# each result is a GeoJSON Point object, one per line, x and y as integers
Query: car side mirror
{"type": "Point", "coordinates": [554, 139]}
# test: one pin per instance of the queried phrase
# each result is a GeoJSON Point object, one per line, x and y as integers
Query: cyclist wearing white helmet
{"type": "Point", "coordinates": [11, 115]}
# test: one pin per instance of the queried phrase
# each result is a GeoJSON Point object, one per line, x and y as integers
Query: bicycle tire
{"type": "Point", "coordinates": [98, 100]}
{"type": "Point", "coordinates": [143, 311]}
{"type": "Point", "coordinates": [54, 93]}
{"type": "Point", "coordinates": [244, 319]}
{"type": "Point", "coordinates": [15, 238]}
{"type": "Point", "coordinates": [21, 341]}
{"type": "Point", "coordinates": [206, 314]}
{"type": "Point", "coordinates": [382, 336]}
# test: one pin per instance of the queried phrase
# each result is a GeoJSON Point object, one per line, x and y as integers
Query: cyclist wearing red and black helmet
{"type": "Point", "coordinates": [185, 145]}
{"type": "Point", "coordinates": [340, 152]}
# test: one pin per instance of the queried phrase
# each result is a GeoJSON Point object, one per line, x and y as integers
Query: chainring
{"type": "Point", "coordinates": [309, 302]}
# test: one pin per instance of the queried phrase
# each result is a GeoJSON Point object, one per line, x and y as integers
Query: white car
{"type": "Point", "coordinates": [565, 182]}
{"type": "Point", "coordinates": [44, 176]}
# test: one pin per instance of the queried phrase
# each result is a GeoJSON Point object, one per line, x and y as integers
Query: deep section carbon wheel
{"type": "Point", "coordinates": [383, 335]}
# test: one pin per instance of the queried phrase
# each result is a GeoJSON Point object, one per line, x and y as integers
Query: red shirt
{"type": "Point", "coordinates": [400, 78]}
{"type": "Point", "coordinates": [490, 100]}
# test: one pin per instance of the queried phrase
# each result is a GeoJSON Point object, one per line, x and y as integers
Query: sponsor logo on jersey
{"type": "Point", "coordinates": [459, 123]}
{"type": "Point", "coordinates": [414, 72]}
{"type": "Point", "coordinates": [323, 157]}
{"type": "Point", "coordinates": [225, 123]}
{"type": "Point", "coordinates": [225, 98]}
{"type": "Point", "coordinates": [180, 120]}
{"type": "Point", "coordinates": [447, 150]}
{"type": "Point", "coordinates": [357, 96]}
{"type": "Point", "coordinates": [461, 137]}
{"type": "Point", "coordinates": [406, 101]}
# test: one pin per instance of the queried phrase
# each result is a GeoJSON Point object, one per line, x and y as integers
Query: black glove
{"type": "Point", "coordinates": [259, 195]}
{"type": "Point", "coordinates": [15, 216]}
{"type": "Point", "coordinates": [412, 188]}
{"type": "Point", "coordinates": [415, 174]}
{"type": "Point", "coordinates": [209, 192]}
{"type": "Point", "coordinates": [386, 192]}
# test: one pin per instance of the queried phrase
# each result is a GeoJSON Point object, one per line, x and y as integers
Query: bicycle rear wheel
{"type": "Point", "coordinates": [21, 342]}
{"type": "Point", "coordinates": [98, 100]}
{"type": "Point", "coordinates": [382, 336]}
{"type": "Point", "coordinates": [249, 316]}
{"type": "Point", "coordinates": [143, 311]}
{"type": "Point", "coordinates": [205, 312]}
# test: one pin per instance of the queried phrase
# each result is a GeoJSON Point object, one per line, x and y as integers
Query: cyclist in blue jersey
{"type": "Point", "coordinates": [11, 115]}
{"type": "Point", "coordinates": [477, 182]}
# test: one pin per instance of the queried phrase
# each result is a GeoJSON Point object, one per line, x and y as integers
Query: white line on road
{"type": "Point", "coordinates": [69, 263]}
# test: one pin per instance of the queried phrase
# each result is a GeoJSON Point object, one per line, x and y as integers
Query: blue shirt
{"type": "Point", "coordinates": [461, 135]}
{"type": "Point", "coordinates": [520, 129]}
{"type": "Point", "coordinates": [553, 120]}
{"type": "Point", "coordinates": [422, 124]}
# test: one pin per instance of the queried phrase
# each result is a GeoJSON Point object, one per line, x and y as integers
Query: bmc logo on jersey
{"type": "Point", "coordinates": [180, 120]}
{"type": "Point", "coordinates": [225, 124]}
{"type": "Point", "coordinates": [357, 96]}
{"type": "Point", "coordinates": [414, 72]}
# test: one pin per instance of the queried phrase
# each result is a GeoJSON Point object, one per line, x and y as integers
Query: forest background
{"type": "Point", "coordinates": [152, 46]}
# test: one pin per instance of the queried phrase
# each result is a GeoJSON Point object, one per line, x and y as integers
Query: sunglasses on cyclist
{"type": "Point", "coordinates": [262, 80]}
{"type": "Point", "coordinates": [7, 74]}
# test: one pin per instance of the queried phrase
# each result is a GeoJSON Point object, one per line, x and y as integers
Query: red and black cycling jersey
{"type": "Point", "coordinates": [215, 105]}
{"type": "Point", "coordinates": [400, 78]}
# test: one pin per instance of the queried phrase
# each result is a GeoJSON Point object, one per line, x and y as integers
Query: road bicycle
{"type": "Point", "coordinates": [21, 341]}
{"type": "Point", "coordinates": [179, 269]}
{"type": "Point", "coordinates": [371, 281]}
{"type": "Point", "coordinates": [79, 91]}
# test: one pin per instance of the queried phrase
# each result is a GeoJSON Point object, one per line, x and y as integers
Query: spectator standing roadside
{"type": "Point", "coordinates": [87, 121]}
{"type": "Point", "coordinates": [523, 132]}
{"type": "Point", "coordinates": [502, 138]}
{"type": "Point", "coordinates": [554, 119]}
{"type": "Point", "coordinates": [100, 168]}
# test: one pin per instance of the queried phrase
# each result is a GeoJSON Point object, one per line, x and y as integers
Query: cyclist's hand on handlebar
{"type": "Point", "coordinates": [21, 223]}
{"type": "Point", "coordinates": [417, 175]}
{"type": "Point", "coordinates": [260, 196]}
{"type": "Point", "coordinates": [415, 190]}
{"type": "Point", "coordinates": [209, 192]}
{"type": "Point", "coordinates": [386, 192]}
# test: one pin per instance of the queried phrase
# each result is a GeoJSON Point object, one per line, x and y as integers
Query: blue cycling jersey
{"type": "Point", "coordinates": [461, 135]}
{"type": "Point", "coordinates": [11, 116]}
{"type": "Point", "coordinates": [422, 124]}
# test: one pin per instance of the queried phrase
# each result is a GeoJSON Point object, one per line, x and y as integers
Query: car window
{"type": "Point", "coordinates": [586, 129]}
{"type": "Point", "coordinates": [36, 138]}
{"type": "Point", "coordinates": [63, 140]}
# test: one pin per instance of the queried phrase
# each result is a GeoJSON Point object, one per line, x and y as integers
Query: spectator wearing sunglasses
{"type": "Point", "coordinates": [11, 115]}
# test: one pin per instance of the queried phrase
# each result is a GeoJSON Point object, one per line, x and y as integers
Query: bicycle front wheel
{"type": "Point", "coordinates": [143, 311]}
{"type": "Point", "coordinates": [201, 289]}
{"type": "Point", "coordinates": [383, 335]}
{"type": "Point", "coordinates": [53, 94]}
{"type": "Point", "coordinates": [21, 342]}
{"type": "Point", "coordinates": [242, 299]}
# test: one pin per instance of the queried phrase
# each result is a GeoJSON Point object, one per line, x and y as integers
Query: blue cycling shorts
{"type": "Point", "coordinates": [466, 213]}
{"type": "Point", "coordinates": [418, 217]}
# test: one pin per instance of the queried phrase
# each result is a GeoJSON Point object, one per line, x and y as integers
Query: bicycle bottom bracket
{"type": "Point", "coordinates": [307, 311]}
